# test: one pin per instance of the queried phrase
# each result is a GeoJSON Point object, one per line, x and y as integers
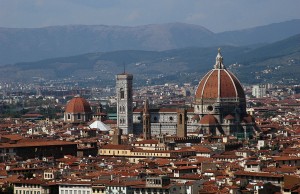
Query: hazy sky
{"type": "Point", "coordinates": [216, 15]}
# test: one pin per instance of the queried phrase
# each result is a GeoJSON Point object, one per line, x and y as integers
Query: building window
{"type": "Point", "coordinates": [78, 116]}
{"type": "Point", "coordinates": [210, 108]}
{"type": "Point", "coordinates": [122, 94]}
{"type": "Point", "coordinates": [180, 119]}
{"type": "Point", "coordinates": [171, 118]}
{"type": "Point", "coordinates": [69, 116]}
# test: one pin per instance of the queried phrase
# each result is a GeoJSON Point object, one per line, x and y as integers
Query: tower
{"type": "Point", "coordinates": [146, 121]}
{"type": "Point", "coordinates": [181, 122]}
{"type": "Point", "coordinates": [124, 102]}
{"type": "Point", "coordinates": [116, 137]}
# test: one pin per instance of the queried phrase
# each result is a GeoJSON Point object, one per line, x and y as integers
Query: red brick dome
{"type": "Point", "coordinates": [208, 120]}
{"type": "Point", "coordinates": [219, 83]}
{"type": "Point", "coordinates": [78, 105]}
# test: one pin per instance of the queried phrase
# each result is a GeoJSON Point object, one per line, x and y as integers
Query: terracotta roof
{"type": "Point", "coordinates": [117, 147]}
{"type": "Point", "coordinates": [13, 137]}
{"type": "Point", "coordinates": [259, 174]}
{"type": "Point", "coordinates": [36, 143]}
{"type": "Point", "coordinates": [229, 117]}
{"type": "Point", "coordinates": [78, 105]}
{"type": "Point", "coordinates": [285, 158]}
{"type": "Point", "coordinates": [201, 149]}
{"type": "Point", "coordinates": [208, 120]}
{"type": "Point", "coordinates": [219, 83]}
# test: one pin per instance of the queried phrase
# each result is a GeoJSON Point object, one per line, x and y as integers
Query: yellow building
{"type": "Point", "coordinates": [136, 154]}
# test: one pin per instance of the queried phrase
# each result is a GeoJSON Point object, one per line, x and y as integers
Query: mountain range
{"type": "Point", "coordinates": [32, 44]}
{"type": "Point", "coordinates": [273, 62]}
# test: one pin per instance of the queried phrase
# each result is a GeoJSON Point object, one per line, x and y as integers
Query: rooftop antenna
{"type": "Point", "coordinates": [124, 66]}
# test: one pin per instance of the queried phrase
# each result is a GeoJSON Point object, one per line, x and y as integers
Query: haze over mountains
{"type": "Point", "coordinates": [268, 63]}
{"type": "Point", "coordinates": [31, 44]}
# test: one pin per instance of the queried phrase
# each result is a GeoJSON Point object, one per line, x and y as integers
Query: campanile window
{"type": "Point", "coordinates": [122, 93]}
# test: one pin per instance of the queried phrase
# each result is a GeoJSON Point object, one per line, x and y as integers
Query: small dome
{"type": "Point", "coordinates": [78, 105]}
{"type": "Point", "coordinates": [229, 117]}
{"type": "Point", "coordinates": [208, 120]}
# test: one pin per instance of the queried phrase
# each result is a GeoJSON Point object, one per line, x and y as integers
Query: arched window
{"type": "Point", "coordinates": [180, 119]}
{"type": "Point", "coordinates": [122, 95]}
{"type": "Point", "coordinates": [69, 116]}
{"type": "Point", "coordinates": [78, 116]}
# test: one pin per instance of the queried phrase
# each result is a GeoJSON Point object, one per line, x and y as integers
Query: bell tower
{"type": "Point", "coordinates": [124, 102]}
{"type": "Point", "coordinates": [181, 122]}
{"type": "Point", "coordinates": [146, 121]}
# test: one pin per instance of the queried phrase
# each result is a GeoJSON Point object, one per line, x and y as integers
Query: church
{"type": "Point", "coordinates": [219, 109]}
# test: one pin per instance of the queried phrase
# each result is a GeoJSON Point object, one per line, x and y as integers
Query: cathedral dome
{"type": "Point", "coordinates": [219, 83]}
{"type": "Point", "coordinates": [78, 105]}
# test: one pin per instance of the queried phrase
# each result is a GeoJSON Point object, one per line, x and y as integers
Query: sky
{"type": "Point", "coordinates": [215, 15]}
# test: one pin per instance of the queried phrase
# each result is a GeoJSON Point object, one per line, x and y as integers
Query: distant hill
{"type": "Point", "coordinates": [262, 34]}
{"type": "Point", "coordinates": [177, 65]}
{"type": "Point", "coordinates": [275, 62]}
{"type": "Point", "coordinates": [18, 45]}
{"type": "Point", "coordinates": [31, 44]}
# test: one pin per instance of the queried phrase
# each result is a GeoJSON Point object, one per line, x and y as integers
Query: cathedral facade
{"type": "Point", "coordinates": [219, 109]}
